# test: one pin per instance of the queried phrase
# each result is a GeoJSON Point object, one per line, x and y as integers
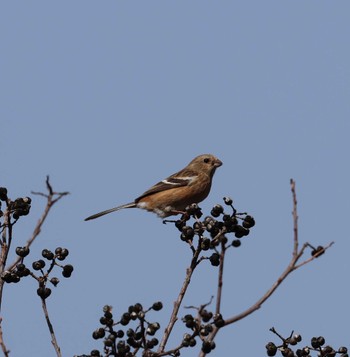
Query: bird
{"type": "Point", "coordinates": [172, 195]}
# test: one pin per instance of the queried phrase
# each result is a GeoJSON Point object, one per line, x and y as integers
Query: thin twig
{"type": "Point", "coordinates": [5, 246]}
{"type": "Point", "coordinates": [295, 217]}
{"type": "Point", "coordinates": [2, 343]}
{"type": "Point", "coordinates": [52, 333]}
{"type": "Point", "coordinates": [177, 303]}
{"type": "Point", "coordinates": [220, 278]}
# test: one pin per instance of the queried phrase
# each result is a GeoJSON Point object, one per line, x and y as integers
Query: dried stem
{"type": "Point", "coordinates": [220, 278]}
{"type": "Point", "coordinates": [295, 217]}
{"type": "Point", "coordinates": [5, 245]}
{"type": "Point", "coordinates": [177, 303]}
{"type": "Point", "coordinates": [2, 343]}
{"type": "Point", "coordinates": [52, 333]}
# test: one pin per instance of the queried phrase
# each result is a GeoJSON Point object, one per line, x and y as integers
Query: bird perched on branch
{"type": "Point", "coordinates": [172, 195]}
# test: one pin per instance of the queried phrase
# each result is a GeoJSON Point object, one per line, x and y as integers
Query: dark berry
{"type": "Point", "coordinates": [315, 343]}
{"type": "Point", "coordinates": [22, 251]}
{"type": "Point", "coordinates": [138, 307]}
{"type": "Point", "coordinates": [215, 259]}
{"type": "Point", "coordinates": [193, 342]}
{"type": "Point", "coordinates": [63, 254]}
{"type": "Point", "coordinates": [44, 292]}
{"type": "Point", "coordinates": [187, 233]}
{"type": "Point", "coordinates": [321, 341]}
{"type": "Point", "coordinates": [120, 334]}
{"type": "Point", "coordinates": [27, 200]}
{"type": "Point", "coordinates": [228, 201]}
{"type": "Point", "coordinates": [108, 314]}
{"type": "Point", "coordinates": [3, 193]}
{"type": "Point", "coordinates": [207, 346]}
{"type": "Point", "coordinates": [287, 352]}
{"type": "Point", "coordinates": [125, 319]}
{"type": "Point", "coordinates": [218, 320]}
{"type": "Point", "coordinates": [205, 244]}
{"type": "Point", "coordinates": [130, 332]}
{"type": "Point", "coordinates": [248, 222]}
{"type": "Point", "coordinates": [67, 270]}
{"type": "Point", "coordinates": [54, 281]}
{"type": "Point", "coordinates": [47, 254]}
{"type": "Point", "coordinates": [20, 267]}
{"type": "Point", "coordinates": [241, 232]}
{"type": "Point", "coordinates": [206, 315]}
{"type": "Point", "coordinates": [236, 243]}
{"type": "Point", "coordinates": [179, 224]}
{"type": "Point", "coordinates": [318, 251]}
{"type": "Point", "coordinates": [157, 306]}
{"type": "Point", "coordinates": [271, 349]}
{"type": "Point", "coordinates": [328, 351]}
{"type": "Point", "coordinates": [217, 210]}
{"type": "Point", "coordinates": [39, 264]}
{"type": "Point", "coordinates": [194, 210]}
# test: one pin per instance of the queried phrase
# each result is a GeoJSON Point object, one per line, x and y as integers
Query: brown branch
{"type": "Point", "coordinates": [292, 266]}
{"type": "Point", "coordinates": [177, 303]}
{"type": "Point", "coordinates": [2, 343]}
{"type": "Point", "coordinates": [220, 278]}
{"type": "Point", "coordinates": [5, 245]}
{"type": "Point", "coordinates": [52, 333]}
{"type": "Point", "coordinates": [295, 217]}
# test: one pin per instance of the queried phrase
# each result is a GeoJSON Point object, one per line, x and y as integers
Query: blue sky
{"type": "Point", "coordinates": [110, 97]}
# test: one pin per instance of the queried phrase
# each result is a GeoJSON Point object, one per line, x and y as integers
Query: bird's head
{"type": "Point", "coordinates": [207, 163]}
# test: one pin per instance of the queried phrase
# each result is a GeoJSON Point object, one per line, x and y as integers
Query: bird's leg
{"type": "Point", "coordinates": [184, 217]}
{"type": "Point", "coordinates": [183, 213]}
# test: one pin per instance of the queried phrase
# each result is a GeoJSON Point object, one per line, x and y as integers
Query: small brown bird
{"type": "Point", "coordinates": [172, 195]}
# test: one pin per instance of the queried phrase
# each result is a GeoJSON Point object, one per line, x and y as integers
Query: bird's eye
{"type": "Point", "coordinates": [206, 160]}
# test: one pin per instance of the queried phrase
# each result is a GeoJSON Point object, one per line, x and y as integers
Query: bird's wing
{"type": "Point", "coordinates": [176, 180]}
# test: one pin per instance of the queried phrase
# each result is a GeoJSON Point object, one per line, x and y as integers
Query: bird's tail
{"type": "Point", "coordinates": [128, 205]}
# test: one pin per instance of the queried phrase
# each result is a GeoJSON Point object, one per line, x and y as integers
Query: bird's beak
{"type": "Point", "coordinates": [217, 163]}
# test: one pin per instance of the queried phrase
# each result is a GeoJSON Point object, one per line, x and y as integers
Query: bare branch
{"type": "Point", "coordinates": [177, 303]}
{"type": "Point", "coordinates": [5, 245]}
{"type": "Point", "coordinates": [292, 266]}
{"type": "Point", "coordinates": [295, 217]}
{"type": "Point", "coordinates": [2, 343]}
{"type": "Point", "coordinates": [52, 333]}
{"type": "Point", "coordinates": [220, 278]}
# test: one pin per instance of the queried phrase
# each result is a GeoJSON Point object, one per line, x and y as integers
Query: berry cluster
{"type": "Point", "coordinates": [217, 226]}
{"type": "Point", "coordinates": [121, 343]}
{"type": "Point", "coordinates": [317, 345]}
{"type": "Point", "coordinates": [21, 270]}
{"type": "Point", "coordinates": [201, 327]}
{"type": "Point", "coordinates": [19, 207]}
